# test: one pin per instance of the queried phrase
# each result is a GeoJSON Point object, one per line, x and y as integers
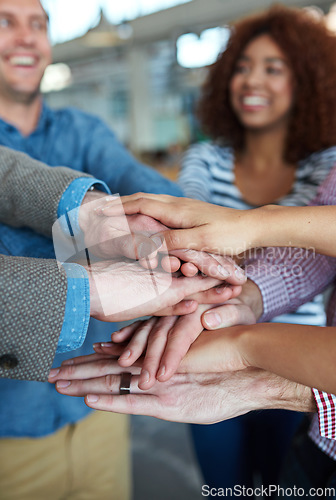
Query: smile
{"type": "Point", "coordinates": [26, 61]}
{"type": "Point", "coordinates": [255, 100]}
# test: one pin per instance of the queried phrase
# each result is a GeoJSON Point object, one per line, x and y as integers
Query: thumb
{"type": "Point", "coordinates": [176, 239]}
{"type": "Point", "coordinates": [229, 314]}
{"type": "Point", "coordinates": [133, 246]}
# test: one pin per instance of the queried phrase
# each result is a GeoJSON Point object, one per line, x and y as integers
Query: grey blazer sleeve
{"type": "Point", "coordinates": [32, 302]}
{"type": "Point", "coordinates": [32, 291]}
{"type": "Point", "coordinates": [30, 191]}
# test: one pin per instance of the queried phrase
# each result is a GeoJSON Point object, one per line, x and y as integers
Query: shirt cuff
{"type": "Point", "coordinates": [71, 200]}
{"type": "Point", "coordinates": [326, 407]}
{"type": "Point", "coordinates": [77, 309]}
{"type": "Point", "coordinates": [268, 277]}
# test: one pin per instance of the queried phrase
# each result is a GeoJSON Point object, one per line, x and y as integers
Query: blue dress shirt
{"type": "Point", "coordinates": [77, 306]}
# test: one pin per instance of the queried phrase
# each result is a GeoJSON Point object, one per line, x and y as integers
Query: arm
{"type": "Point", "coordinates": [31, 191]}
{"type": "Point", "coordinates": [203, 226]}
{"type": "Point", "coordinates": [33, 295]}
{"type": "Point", "coordinates": [304, 354]}
{"type": "Point", "coordinates": [186, 397]}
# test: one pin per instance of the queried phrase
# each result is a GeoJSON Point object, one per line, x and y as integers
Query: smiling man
{"type": "Point", "coordinates": [25, 52]}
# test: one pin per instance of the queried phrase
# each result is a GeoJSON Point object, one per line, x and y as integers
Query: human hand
{"type": "Point", "coordinates": [202, 398]}
{"type": "Point", "coordinates": [210, 264]}
{"type": "Point", "coordinates": [198, 225]}
{"type": "Point", "coordinates": [120, 291]}
{"type": "Point", "coordinates": [163, 342]}
{"type": "Point", "coordinates": [118, 236]}
{"type": "Point", "coordinates": [128, 236]}
{"type": "Point", "coordinates": [244, 309]}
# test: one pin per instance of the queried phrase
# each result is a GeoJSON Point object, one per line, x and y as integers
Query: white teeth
{"type": "Point", "coordinates": [255, 100]}
{"type": "Point", "coordinates": [22, 61]}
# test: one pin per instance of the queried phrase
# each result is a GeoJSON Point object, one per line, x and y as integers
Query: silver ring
{"type": "Point", "coordinates": [125, 383]}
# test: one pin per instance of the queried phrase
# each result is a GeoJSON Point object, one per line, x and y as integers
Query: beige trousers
{"type": "Point", "coordinates": [89, 460]}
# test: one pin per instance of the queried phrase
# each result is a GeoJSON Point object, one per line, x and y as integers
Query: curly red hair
{"type": "Point", "coordinates": [311, 52]}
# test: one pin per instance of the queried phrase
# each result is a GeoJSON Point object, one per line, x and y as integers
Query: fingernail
{"type": "Point", "coordinates": [240, 273]}
{"type": "Point", "coordinates": [144, 377]}
{"type": "Point", "coordinates": [68, 362]}
{"type": "Point", "coordinates": [212, 319]}
{"type": "Point", "coordinates": [63, 383]}
{"type": "Point", "coordinates": [220, 289]}
{"type": "Point", "coordinates": [92, 398]}
{"type": "Point", "coordinates": [54, 372]}
{"type": "Point", "coordinates": [161, 372]}
{"type": "Point", "coordinates": [157, 240]}
{"type": "Point", "coordinates": [224, 272]}
{"type": "Point", "coordinates": [106, 344]}
{"type": "Point", "coordinates": [125, 355]}
{"type": "Point", "coordinates": [188, 303]}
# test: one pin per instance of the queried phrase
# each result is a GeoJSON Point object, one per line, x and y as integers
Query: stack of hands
{"type": "Point", "coordinates": [170, 365]}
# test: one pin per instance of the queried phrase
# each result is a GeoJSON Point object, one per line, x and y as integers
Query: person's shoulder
{"type": "Point", "coordinates": [210, 148]}
{"type": "Point", "coordinates": [73, 117]}
{"type": "Point", "coordinates": [322, 154]}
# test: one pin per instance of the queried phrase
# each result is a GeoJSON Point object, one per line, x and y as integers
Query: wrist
{"type": "Point", "coordinates": [94, 298]}
{"type": "Point", "coordinates": [251, 297]}
{"type": "Point", "coordinates": [279, 393]}
{"type": "Point", "coordinates": [264, 225]}
{"type": "Point", "coordinates": [85, 212]}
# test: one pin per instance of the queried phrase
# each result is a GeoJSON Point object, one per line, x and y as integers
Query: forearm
{"type": "Point", "coordinates": [33, 296]}
{"type": "Point", "coordinates": [304, 354]}
{"type": "Point", "coordinates": [36, 204]}
{"type": "Point", "coordinates": [271, 391]}
{"type": "Point", "coordinates": [301, 227]}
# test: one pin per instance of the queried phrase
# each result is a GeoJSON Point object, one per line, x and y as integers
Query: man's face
{"type": "Point", "coordinates": [25, 50]}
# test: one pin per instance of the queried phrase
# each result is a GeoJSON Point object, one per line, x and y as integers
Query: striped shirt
{"type": "Point", "coordinates": [208, 174]}
{"type": "Point", "coordinates": [282, 291]}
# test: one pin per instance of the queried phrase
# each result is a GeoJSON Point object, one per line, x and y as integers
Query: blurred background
{"type": "Point", "coordinates": [139, 64]}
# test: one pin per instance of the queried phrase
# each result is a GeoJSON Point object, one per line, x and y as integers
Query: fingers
{"type": "Point", "coordinates": [109, 349]}
{"type": "Point", "coordinates": [150, 262]}
{"type": "Point", "coordinates": [180, 309]}
{"type": "Point", "coordinates": [180, 338]}
{"type": "Point", "coordinates": [141, 203]}
{"type": "Point", "coordinates": [219, 267]}
{"type": "Point", "coordinates": [106, 384]}
{"type": "Point", "coordinates": [177, 239]}
{"type": "Point", "coordinates": [156, 345]}
{"type": "Point", "coordinates": [126, 332]}
{"type": "Point", "coordinates": [217, 294]}
{"type": "Point", "coordinates": [229, 314]}
{"type": "Point", "coordinates": [170, 264]}
{"type": "Point", "coordinates": [130, 404]}
{"type": "Point", "coordinates": [83, 359]}
{"type": "Point", "coordinates": [87, 370]}
{"type": "Point", "coordinates": [138, 343]}
{"type": "Point", "coordinates": [189, 270]}
{"type": "Point", "coordinates": [136, 246]}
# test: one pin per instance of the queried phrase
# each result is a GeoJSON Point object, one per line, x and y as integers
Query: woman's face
{"type": "Point", "coordinates": [261, 88]}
